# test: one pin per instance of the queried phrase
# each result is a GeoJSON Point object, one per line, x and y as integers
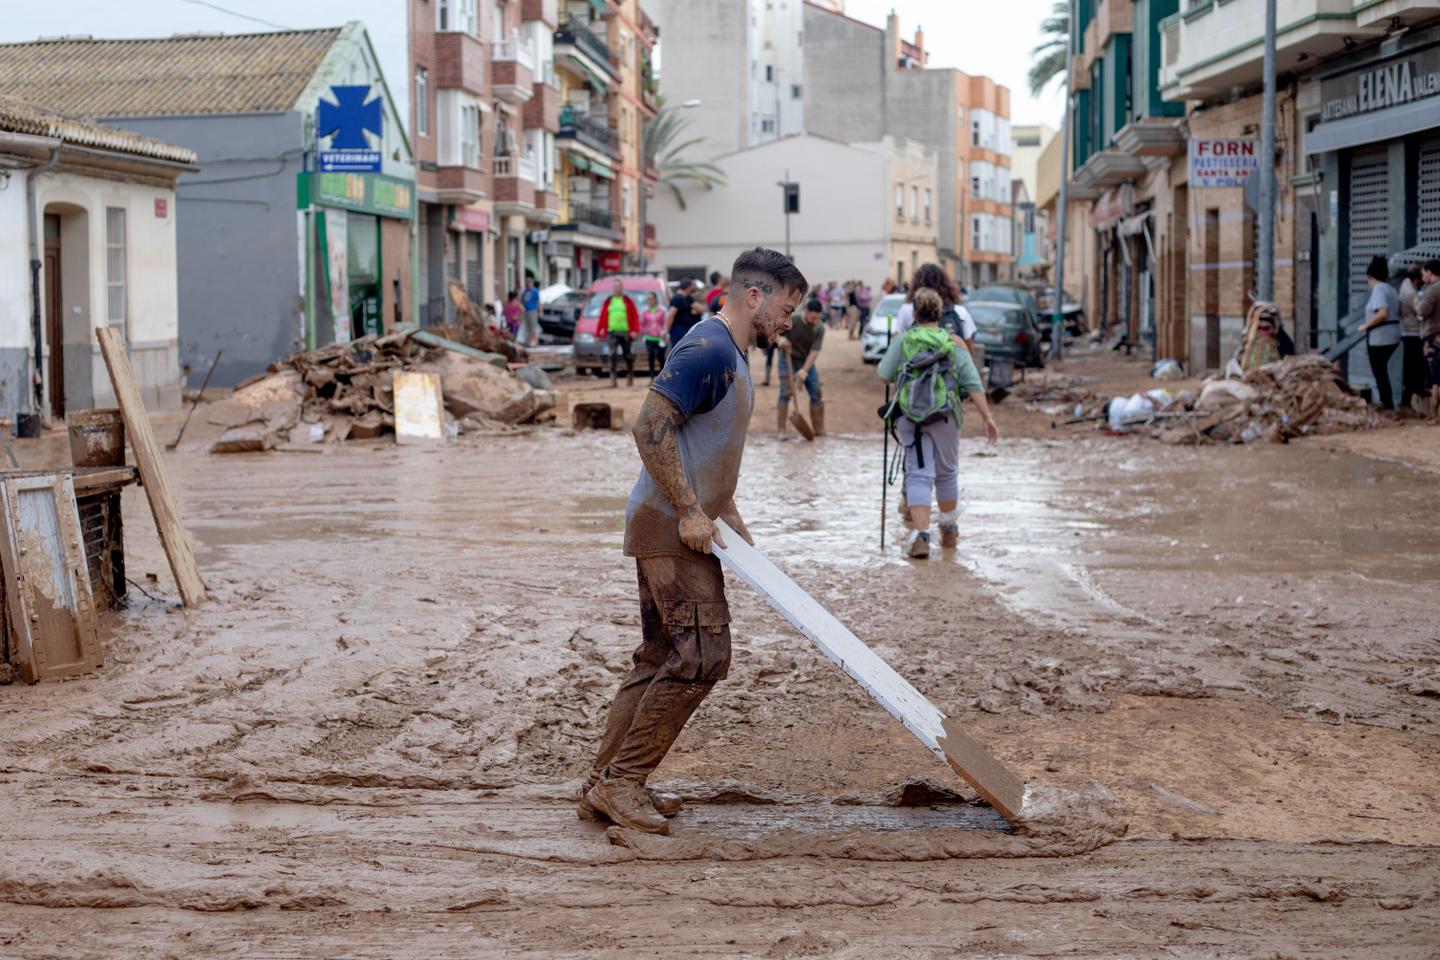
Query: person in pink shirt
{"type": "Point", "coordinates": [652, 328]}
{"type": "Point", "coordinates": [512, 313]}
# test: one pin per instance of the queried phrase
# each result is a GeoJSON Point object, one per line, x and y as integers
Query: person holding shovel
{"type": "Point", "coordinates": [691, 435]}
{"type": "Point", "coordinates": [799, 348]}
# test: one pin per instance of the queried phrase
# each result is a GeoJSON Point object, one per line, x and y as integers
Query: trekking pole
{"type": "Point", "coordinates": [885, 447]}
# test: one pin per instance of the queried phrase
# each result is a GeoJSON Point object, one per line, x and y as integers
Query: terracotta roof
{"type": "Point", "coordinates": [198, 74]}
{"type": "Point", "coordinates": [17, 116]}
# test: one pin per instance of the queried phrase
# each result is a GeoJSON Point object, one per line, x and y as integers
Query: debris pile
{"type": "Point", "coordinates": [1298, 396]}
{"type": "Point", "coordinates": [344, 392]}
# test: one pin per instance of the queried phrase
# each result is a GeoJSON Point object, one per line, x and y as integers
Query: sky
{"type": "Point", "coordinates": [990, 37]}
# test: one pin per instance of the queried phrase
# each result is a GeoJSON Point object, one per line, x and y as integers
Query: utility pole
{"type": "Point", "coordinates": [1057, 317]}
{"type": "Point", "coordinates": [1265, 269]}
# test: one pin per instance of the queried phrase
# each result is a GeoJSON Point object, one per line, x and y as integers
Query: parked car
{"type": "Point", "coordinates": [1007, 331]}
{"type": "Point", "coordinates": [1072, 312]}
{"type": "Point", "coordinates": [590, 349]}
{"type": "Point", "coordinates": [875, 338]}
{"type": "Point", "coordinates": [559, 314]}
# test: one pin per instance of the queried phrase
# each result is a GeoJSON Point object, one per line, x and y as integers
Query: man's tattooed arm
{"type": "Point", "coordinates": [656, 438]}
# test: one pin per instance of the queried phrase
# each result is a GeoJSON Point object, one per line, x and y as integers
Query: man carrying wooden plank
{"type": "Point", "coordinates": [691, 436]}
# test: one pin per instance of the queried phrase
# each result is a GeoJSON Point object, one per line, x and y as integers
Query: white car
{"type": "Point", "coordinates": [875, 338]}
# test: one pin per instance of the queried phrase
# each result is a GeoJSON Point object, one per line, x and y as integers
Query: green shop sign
{"type": "Point", "coordinates": [365, 192]}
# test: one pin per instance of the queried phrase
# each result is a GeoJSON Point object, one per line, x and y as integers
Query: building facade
{"type": "Point", "coordinates": [838, 234]}
{"type": "Point", "coordinates": [741, 65]}
{"type": "Point", "coordinates": [298, 229]}
{"type": "Point", "coordinates": [528, 118]}
{"type": "Point", "coordinates": [94, 207]}
{"type": "Point", "coordinates": [864, 83]}
{"type": "Point", "coordinates": [1161, 167]}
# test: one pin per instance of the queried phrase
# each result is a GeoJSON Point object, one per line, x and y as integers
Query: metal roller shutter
{"type": "Point", "coordinates": [1369, 207]}
{"type": "Point", "coordinates": [1428, 225]}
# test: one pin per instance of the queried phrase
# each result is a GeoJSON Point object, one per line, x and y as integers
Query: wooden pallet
{"type": "Point", "coordinates": [942, 736]}
{"type": "Point", "coordinates": [47, 582]}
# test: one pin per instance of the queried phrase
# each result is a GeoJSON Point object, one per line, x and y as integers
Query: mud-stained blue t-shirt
{"type": "Point", "coordinates": [707, 377]}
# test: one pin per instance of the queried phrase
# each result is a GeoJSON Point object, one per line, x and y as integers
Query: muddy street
{"type": "Point", "coordinates": [367, 743]}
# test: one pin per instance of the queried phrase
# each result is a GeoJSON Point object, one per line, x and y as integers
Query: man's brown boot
{"type": "Point", "coordinates": [782, 417]}
{"type": "Point", "coordinates": [817, 418]}
{"type": "Point", "coordinates": [665, 804]}
{"type": "Point", "coordinates": [627, 804]}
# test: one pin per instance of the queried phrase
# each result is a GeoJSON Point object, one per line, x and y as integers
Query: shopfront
{"type": "Point", "coordinates": [359, 237]}
{"type": "Point", "coordinates": [1375, 140]}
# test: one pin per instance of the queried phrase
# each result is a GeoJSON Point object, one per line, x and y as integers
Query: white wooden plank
{"type": "Point", "coordinates": [886, 687]}
{"type": "Point", "coordinates": [419, 407]}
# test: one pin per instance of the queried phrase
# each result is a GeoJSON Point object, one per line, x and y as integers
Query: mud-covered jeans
{"type": "Point", "coordinates": [684, 651]}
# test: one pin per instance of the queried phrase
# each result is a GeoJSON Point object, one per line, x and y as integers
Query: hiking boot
{"type": "Point", "coordinates": [627, 804]}
{"type": "Point", "coordinates": [665, 804]}
{"type": "Point", "coordinates": [918, 544]}
{"type": "Point", "coordinates": [949, 535]}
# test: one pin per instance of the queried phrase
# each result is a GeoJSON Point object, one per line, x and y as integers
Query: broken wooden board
{"type": "Point", "coordinates": [419, 407]}
{"type": "Point", "coordinates": [150, 462]}
{"type": "Point", "coordinates": [941, 736]}
{"type": "Point", "coordinates": [802, 425]}
{"type": "Point", "coordinates": [47, 581]}
{"type": "Point", "coordinates": [431, 340]}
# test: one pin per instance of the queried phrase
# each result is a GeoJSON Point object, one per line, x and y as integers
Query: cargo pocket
{"type": "Point", "coordinates": [700, 635]}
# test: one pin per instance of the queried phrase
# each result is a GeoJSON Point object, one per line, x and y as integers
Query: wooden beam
{"type": "Point", "coordinates": [153, 475]}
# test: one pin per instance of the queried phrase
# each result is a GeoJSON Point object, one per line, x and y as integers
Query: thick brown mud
{"type": "Point", "coordinates": [365, 744]}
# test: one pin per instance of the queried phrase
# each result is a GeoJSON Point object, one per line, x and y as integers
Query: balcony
{"type": "Point", "coordinates": [542, 112]}
{"type": "Point", "coordinates": [461, 185]}
{"type": "Point", "coordinates": [585, 218]}
{"type": "Point", "coordinates": [1212, 47]}
{"type": "Point", "coordinates": [546, 11]}
{"type": "Point", "coordinates": [575, 38]}
{"type": "Point", "coordinates": [460, 63]}
{"type": "Point", "coordinates": [512, 69]}
{"type": "Point", "coordinates": [514, 184]}
{"type": "Point", "coordinates": [547, 205]}
{"type": "Point", "coordinates": [1152, 137]}
{"type": "Point", "coordinates": [1110, 167]}
{"type": "Point", "coordinates": [586, 129]}
{"type": "Point", "coordinates": [1368, 13]}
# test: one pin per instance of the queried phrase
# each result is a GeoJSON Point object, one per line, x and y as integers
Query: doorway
{"type": "Point", "coordinates": [54, 316]}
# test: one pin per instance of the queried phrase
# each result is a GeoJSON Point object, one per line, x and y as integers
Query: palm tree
{"type": "Point", "coordinates": [664, 145]}
{"type": "Point", "coordinates": [1053, 52]}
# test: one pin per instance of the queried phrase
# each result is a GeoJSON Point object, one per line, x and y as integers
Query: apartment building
{"type": "Point", "coordinates": [864, 83]}
{"type": "Point", "coordinates": [741, 68]}
{"type": "Point", "coordinates": [484, 120]}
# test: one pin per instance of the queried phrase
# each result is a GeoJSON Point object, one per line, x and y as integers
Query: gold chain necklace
{"type": "Point", "coordinates": [726, 320]}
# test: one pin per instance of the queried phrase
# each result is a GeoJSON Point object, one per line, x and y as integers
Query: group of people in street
{"type": "Point", "coordinates": [522, 314]}
{"type": "Point", "coordinates": [1406, 318]}
{"type": "Point", "coordinates": [845, 304]}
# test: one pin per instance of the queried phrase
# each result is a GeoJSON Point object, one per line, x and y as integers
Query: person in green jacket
{"type": "Point", "coordinates": [927, 418]}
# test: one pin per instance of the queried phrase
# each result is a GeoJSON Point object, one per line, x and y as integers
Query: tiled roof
{"type": "Point", "coordinates": [198, 74]}
{"type": "Point", "coordinates": [18, 116]}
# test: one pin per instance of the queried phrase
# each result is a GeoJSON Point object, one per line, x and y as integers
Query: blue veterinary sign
{"type": "Point", "coordinates": [346, 121]}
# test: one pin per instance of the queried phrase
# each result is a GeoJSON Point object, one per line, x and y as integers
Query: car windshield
{"type": "Point", "coordinates": [889, 305]}
{"type": "Point", "coordinates": [990, 315]}
{"type": "Point", "coordinates": [996, 295]}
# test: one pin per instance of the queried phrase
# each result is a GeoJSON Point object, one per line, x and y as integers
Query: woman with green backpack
{"type": "Point", "coordinates": [932, 377]}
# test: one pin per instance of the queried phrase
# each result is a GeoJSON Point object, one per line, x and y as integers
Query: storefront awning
{"type": "Point", "coordinates": [1374, 127]}
{"type": "Point", "coordinates": [579, 161]}
{"type": "Point", "coordinates": [601, 170]}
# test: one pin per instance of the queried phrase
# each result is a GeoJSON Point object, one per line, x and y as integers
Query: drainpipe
{"type": "Point", "coordinates": [33, 229]}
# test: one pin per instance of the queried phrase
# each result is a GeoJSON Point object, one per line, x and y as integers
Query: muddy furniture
{"type": "Point", "coordinates": [96, 527]}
